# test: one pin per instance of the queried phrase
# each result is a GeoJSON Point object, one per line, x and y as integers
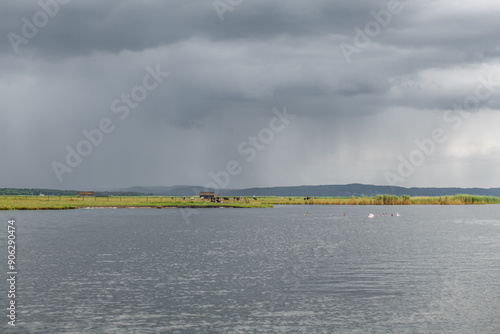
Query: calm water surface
{"type": "Point", "coordinates": [290, 269]}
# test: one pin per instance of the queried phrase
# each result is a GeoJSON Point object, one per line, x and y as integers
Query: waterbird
{"type": "Point", "coordinates": [371, 215]}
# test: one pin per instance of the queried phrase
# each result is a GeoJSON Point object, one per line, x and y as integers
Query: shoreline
{"type": "Point", "coordinates": [134, 207]}
{"type": "Point", "coordinates": [215, 207]}
{"type": "Point", "coordinates": [97, 207]}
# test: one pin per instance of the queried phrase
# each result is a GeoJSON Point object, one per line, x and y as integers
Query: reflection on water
{"type": "Point", "coordinates": [433, 269]}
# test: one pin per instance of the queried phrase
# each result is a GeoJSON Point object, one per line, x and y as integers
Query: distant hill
{"type": "Point", "coordinates": [166, 191]}
{"type": "Point", "coordinates": [358, 190]}
{"type": "Point", "coordinates": [346, 190]}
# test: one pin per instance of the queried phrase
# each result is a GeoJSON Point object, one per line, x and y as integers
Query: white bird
{"type": "Point", "coordinates": [397, 214]}
{"type": "Point", "coordinates": [371, 215]}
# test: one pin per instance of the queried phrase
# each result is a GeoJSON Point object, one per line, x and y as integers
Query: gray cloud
{"type": "Point", "coordinates": [225, 77]}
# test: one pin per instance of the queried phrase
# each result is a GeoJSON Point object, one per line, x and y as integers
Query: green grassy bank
{"type": "Point", "coordinates": [76, 202]}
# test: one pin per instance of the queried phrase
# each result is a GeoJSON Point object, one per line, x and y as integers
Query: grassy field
{"type": "Point", "coordinates": [76, 202]}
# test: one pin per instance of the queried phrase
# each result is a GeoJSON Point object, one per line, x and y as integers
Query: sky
{"type": "Point", "coordinates": [99, 95]}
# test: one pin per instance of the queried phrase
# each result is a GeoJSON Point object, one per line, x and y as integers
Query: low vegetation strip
{"type": "Point", "coordinates": [26, 202]}
{"type": "Point", "coordinates": [45, 202]}
{"type": "Point", "coordinates": [462, 199]}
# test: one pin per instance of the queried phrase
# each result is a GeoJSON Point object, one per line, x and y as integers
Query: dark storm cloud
{"type": "Point", "coordinates": [85, 27]}
{"type": "Point", "coordinates": [226, 76]}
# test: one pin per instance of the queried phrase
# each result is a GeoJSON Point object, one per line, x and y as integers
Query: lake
{"type": "Point", "coordinates": [288, 269]}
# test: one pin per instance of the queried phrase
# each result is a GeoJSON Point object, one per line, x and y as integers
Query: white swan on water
{"type": "Point", "coordinates": [371, 215]}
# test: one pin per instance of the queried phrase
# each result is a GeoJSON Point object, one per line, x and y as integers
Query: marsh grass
{"type": "Point", "coordinates": [462, 199]}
